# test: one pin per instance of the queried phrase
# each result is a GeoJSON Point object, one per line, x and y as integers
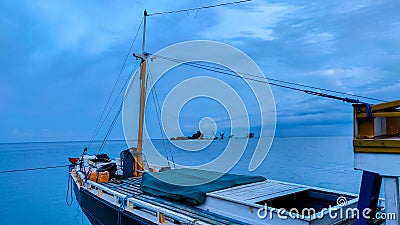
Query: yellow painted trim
{"type": "Point", "coordinates": [386, 105]}
{"type": "Point", "coordinates": [383, 106]}
{"type": "Point", "coordinates": [377, 143]}
{"type": "Point", "coordinates": [376, 150]}
{"type": "Point", "coordinates": [380, 114]}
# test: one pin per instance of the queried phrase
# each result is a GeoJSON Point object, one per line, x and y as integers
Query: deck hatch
{"type": "Point", "coordinates": [304, 200]}
{"type": "Point", "coordinates": [257, 192]}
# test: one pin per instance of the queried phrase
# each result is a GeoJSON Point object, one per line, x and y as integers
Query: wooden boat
{"type": "Point", "coordinates": [249, 200]}
{"type": "Point", "coordinates": [124, 202]}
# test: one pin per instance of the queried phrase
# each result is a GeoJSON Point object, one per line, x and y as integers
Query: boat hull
{"type": "Point", "coordinates": [101, 212]}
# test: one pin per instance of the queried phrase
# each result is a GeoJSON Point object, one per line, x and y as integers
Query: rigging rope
{"type": "Point", "coordinates": [97, 129]}
{"type": "Point", "coordinates": [158, 112]}
{"type": "Point", "coordinates": [158, 118]}
{"type": "Point", "coordinates": [110, 128]}
{"type": "Point", "coordinates": [273, 79]}
{"type": "Point", "coordinates": [198, 8]}
{"type": "Point", "coordinates": [235, 74]}
{"type": "Point", "coordinates": [120, 107]}
{"type": "Point", "coordinates": [32, 169]}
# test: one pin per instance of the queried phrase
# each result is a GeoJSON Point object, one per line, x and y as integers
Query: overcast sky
{"type": "Point", "coordinates": [59, 59]}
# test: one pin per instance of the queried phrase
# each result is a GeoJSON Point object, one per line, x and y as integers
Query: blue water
{"type": "Point", "coordinates": [38, 197]}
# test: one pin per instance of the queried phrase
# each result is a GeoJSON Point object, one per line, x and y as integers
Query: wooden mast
{"type": "Point", "coordinates": [137, 154]}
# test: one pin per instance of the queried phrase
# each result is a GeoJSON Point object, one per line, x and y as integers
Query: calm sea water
{"type": "Point", "coordinates": [38, 197]}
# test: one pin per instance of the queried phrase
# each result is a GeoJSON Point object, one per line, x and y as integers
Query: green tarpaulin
{"type": "Point", "coordinates": [159, 184]}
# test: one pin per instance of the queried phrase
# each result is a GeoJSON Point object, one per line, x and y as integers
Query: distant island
{"type": "Point", "coordinates": [200, 136]}
{"type": "Point", "coordinates": [196, 136]}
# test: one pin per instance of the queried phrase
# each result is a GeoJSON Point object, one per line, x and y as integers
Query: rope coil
{"type": "Point", "coordinates": [69, 198]}
{"type": "Point", "coordinates": [368, 108]}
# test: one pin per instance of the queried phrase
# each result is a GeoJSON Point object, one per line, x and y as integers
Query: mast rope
{"type": "Point", "coordinates": [110, 128]}
{"type": "Point", "coordinates": [69, 198]}
{"type": "Point", "coordinates": [32, 169]}
{"type": "Point", "coordinates": [198, 8]}
{"type": "Point", "coordinates": [145, 160]}
{"type": "Point", "coordinates": [120, 107]}
{"type": "Point", "coordinates": [158, 112]}
{"type": "Point", "coordinates": [264, 80]}
{"type": "Point", "coordinates": [273, 79]}
{"type": "Point", "coordinates": [98, 128]}
{"type": "Point", "coordinates": [149, 78]}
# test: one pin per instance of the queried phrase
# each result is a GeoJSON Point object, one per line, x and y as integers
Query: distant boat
{"type": "Point", "coordinates": [250, 135]}
{"type": "Point", "coordinates": [215, 136]}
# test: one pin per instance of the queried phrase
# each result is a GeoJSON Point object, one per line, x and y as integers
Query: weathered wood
{"type": "Point", "coordinates": [383, 106]}
{"type": "Point", "coordinates": [376, 146]}
{"type": "Point", "coordinates": [380, 114]}
{"type": "Point", "coordinates": [365, 128]}
{"type": "Point", "coordinates": [392, 126]}
{"type": "Point", "coordinates": [138, 164]}
{"type": "Point", "coordinates": [377, 143]}
{"type": "Point", "coordinates": [377, 150]}
{"type": "Point", "coordinates": [161, 218]}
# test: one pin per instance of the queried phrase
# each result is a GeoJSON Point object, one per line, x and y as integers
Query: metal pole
{"type": "Point", "coordinates": [144, 31]}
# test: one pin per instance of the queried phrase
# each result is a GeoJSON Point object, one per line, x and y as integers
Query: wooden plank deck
{"type": "Point", "coordinates": [130, 186]}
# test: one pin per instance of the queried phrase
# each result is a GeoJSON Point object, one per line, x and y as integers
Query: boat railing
{"type": "Point", "coordinates": [133, 203]}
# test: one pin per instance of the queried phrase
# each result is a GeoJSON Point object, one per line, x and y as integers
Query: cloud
{"type": "Point", "coordinates": [80, 27]}
{"type": "Point", "coordinates": [350, 78]}
{"type": "Point", "coordinates": [389, 92]}
{"type": "Point", "coordinates": [318, 38]}
{"type": "Point", "coordinates": [257, 21]}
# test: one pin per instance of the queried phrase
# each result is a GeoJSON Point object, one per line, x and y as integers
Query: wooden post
{"type": "Point", "coordinates": [130, 205]}
{"type": "Point", "coordinates": [161, 217]}
{"type": "Point", "coordinates": [392, 199]}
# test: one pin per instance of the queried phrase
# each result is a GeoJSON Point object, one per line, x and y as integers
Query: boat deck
{"type": "Point", "coordinates": [130, 186]}
{"type": "Point", "coordinates": [244, 199]}
{"type": "Point", "coordinates": [151, 207]}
